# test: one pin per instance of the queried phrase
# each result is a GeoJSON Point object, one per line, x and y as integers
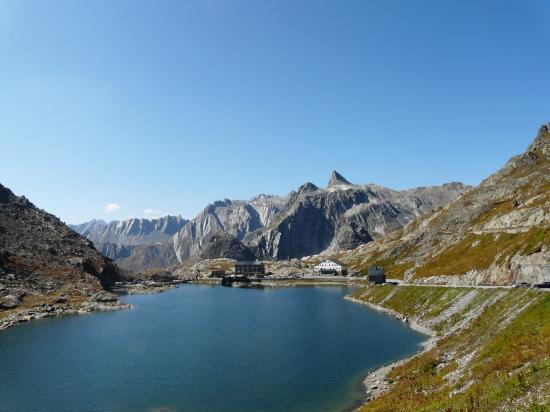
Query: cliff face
{"type": "Point", "coordinates": [131, 231]}
{"type": "Point", "coordinates": [135, 244]}
{"type": "Point", "coordinates": [343, 216]}
{"type": "Point", "coordinates": [140, 244]}
{"type": "Point", "coordinates": [44, 261]}
{"type": "Point", "coordinates": [224, 246]}
{"type": "Point", "coordinates": [234, 217]}
{"type": "Point", "coordinates": [496, 233]}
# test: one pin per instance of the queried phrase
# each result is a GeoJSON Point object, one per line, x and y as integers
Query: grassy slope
{"type": "Point", "coordinates": [493, 351]}
{"type": "Point", "coordinates": [433, 245]}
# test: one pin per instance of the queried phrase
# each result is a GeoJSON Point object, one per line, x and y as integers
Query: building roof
{"type": "Point", "coordinates": [249, 262]}
{"type": "Point", "coordinates": [334, 261]}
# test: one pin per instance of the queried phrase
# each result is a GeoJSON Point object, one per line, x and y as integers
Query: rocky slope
{"type": "Point", "coordinates": [137, 258]}
{"type": "Point", "coordinates": [309, 221]}
{"type": "Point", "coordinates": [135, 244]}
{"type": "Point", "coordinates": [488, 351]}
{"type": "Point", "coordinates": [235, 217]}
{"type": "Point", "coordinates": [343, 216]}
{"type": "Point", "coordinates": [220, 252]}
{"type": "Point", "coordinates": [495, 234]}
{"type": "Point", "coordinates": [141, 244]}
{"type": "Point", "coordinates": [45, 266]}
{"type": "Point", "coordinates": [131, 231]}
{"type": "Point", "coordinates": [223, 245]}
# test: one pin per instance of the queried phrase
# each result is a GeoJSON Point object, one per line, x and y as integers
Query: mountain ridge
{"type": "Point", "coordinates": [357, 214]}
{"type": "Point", "coordinates": [47, 267]}
{"type": "Point", "coordinates": [344, 215]}
{"type": "Point", "coordinates": [498, 233]}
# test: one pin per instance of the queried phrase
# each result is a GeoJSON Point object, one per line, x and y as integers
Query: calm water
{"type": "Point", "coordinates": [202, 348]}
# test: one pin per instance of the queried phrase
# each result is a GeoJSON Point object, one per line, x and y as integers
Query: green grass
{"type": "Point", "coordinates": [510, 364]}
{"type": "Point", "coordinates": [414, 300]}
{"type": "Point", "coordinates": [479, 252]}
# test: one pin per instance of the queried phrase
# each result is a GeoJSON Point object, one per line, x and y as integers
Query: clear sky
{"type": "Point", "coordinates": [158, 106]}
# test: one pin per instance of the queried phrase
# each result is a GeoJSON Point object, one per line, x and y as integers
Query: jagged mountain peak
{"type": "Point", "coordinates": [5, 194]}
{"type": "Point", "coordinates": [542, 141]}
{"type": "Point", "coordinates": [307, 187]}
{"type": "Point", "coordinates": [336, 179]}
{"type": "Point", "coordinates": [343, 216]}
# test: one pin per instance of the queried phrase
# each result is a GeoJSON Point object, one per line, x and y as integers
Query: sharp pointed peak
{"type": "Point", "coordinates": [307, 188]}
{"type": "Point", "coordinates": [337, 179]}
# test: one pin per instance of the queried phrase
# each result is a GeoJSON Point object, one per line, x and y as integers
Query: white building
{"type": "Point", "coordinates": [332, 267]}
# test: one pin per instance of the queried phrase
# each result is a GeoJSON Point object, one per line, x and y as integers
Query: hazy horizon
{"type": "Point", "coordinates": [139, 109]}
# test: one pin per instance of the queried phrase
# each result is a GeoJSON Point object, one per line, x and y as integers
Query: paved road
{"type": "Point", "coordinates": [400, 283]}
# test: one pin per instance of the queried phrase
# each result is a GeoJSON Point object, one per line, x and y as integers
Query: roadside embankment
{"type": "Point", "coordinates": [489, 349]}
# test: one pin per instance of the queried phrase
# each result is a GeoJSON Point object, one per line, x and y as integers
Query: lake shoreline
{"type": "Point", "coordinates": [375, 383]}
{"type": "Point", "coordinates": [150, 308]}
{"type": "Point", "coordinates": [22, 316]}
{"type": "Point", "coordinates": [47, 310]}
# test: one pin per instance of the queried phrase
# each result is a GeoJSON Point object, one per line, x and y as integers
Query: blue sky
{"type": "Point", "coordinates": [164, 106]}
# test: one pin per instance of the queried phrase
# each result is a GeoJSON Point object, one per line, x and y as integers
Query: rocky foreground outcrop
{"type": "Point", "coordinates": [47, 267]}
{"type": "Point", "coordinates": [495, 234]}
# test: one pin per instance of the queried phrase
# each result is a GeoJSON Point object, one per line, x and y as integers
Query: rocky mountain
{"type": "Point", "coordinates": [43, 262]}
{"type": "Point", "coordinates": [309, 221]}
{"type": "Point", "coordinates": [90, 228]}
{"type": "Point", "coordinates": [497, 233]}
{"type": "Point", "coordinates": [131, 231]}
{"type": "Point", "coordinates": [222, 245]}
{"type": "Point", "coordinates": [342, 216]}
{"type": "Point", "coordinates": [135, 244]}
{"type": "Point", "coordinates": [137, 258]}
{"type": "Point", "coordinates": [140, 244]}
{"type": "Point", "coordinates": [234, 217]}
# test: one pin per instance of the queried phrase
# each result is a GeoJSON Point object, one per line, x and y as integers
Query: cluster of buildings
{"type": "Point", "coordinates": [376, 274]}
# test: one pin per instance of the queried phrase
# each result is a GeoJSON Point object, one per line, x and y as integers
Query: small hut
{"type": "Point", "coordinates": [376, 275]}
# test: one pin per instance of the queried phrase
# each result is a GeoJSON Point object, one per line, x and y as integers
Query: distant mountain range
{"type": "Point", "coordinates": [343, 216]}
{"type": "Point", "coordinates": [496, 233]}
{"type": "Point", "coordinates": [309, 221]}
{"type": "Point", "coordinates": [131, 231]}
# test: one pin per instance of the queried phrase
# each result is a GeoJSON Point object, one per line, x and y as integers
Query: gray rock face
{"type": "Point", "coordinates": [139, 244]}
{"type": "Point", "coordinates": [137, 258]}
{"type": "Point", "coordinates": [344, 216]}
{"type": "Point", "coordinates": [131, 231]}
{"type": "Point", "coordinates": [91, 228]}
{"type": "Point", "coordinates": [135, 244]}
{"type": "Point", "coordinates": [306, 222]}
{"type": "Point", "coordinates": [223, 245]}
{"type": "Point", "coordinates": [234, 217]}
{"type": "Point", "coordinates": [336, 179]}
